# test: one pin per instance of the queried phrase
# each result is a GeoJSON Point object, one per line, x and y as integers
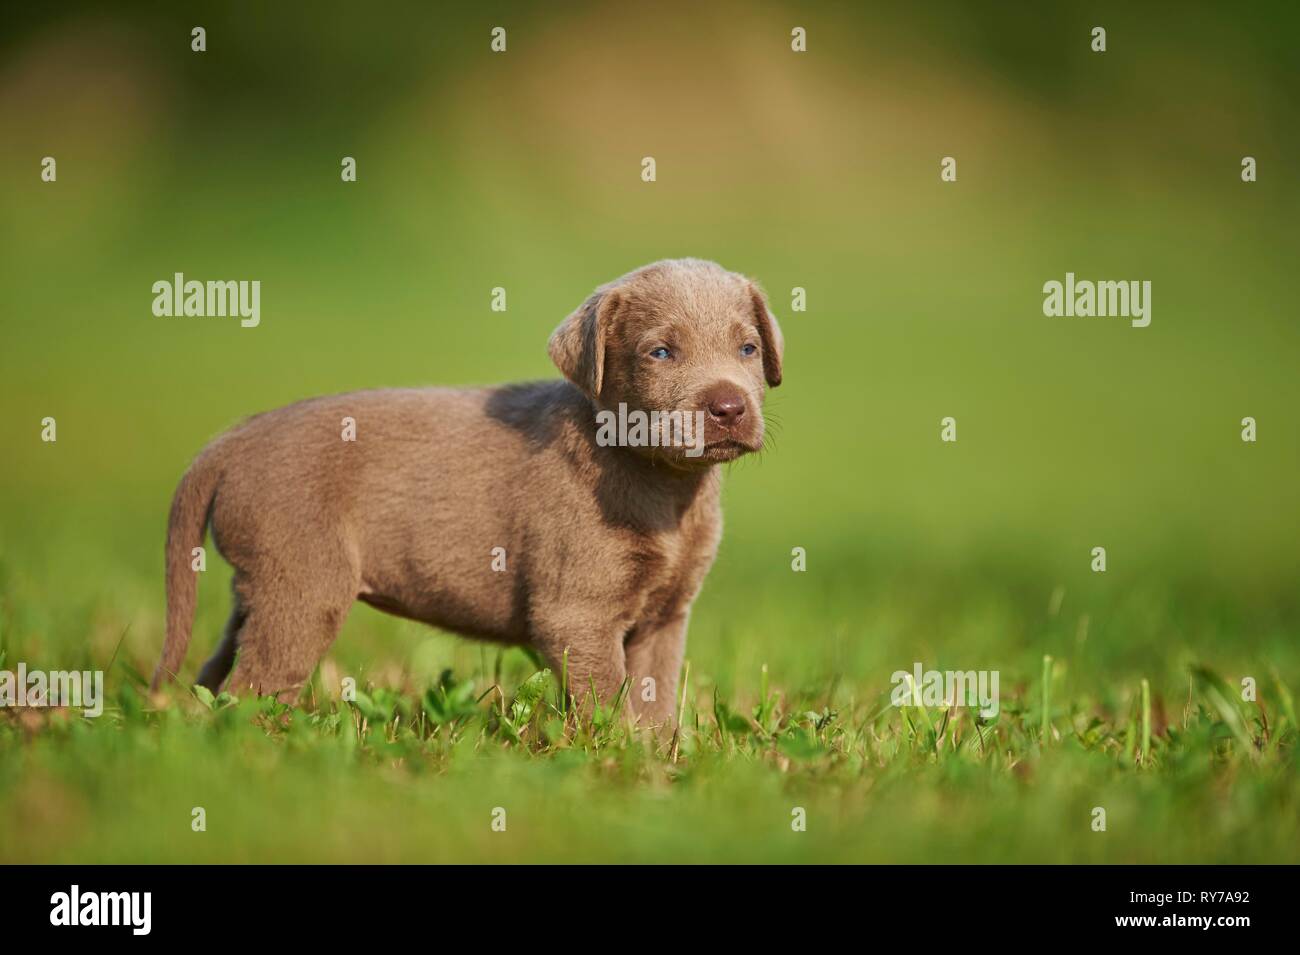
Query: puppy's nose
{"type": "Point", "coordinates": [726, 406]}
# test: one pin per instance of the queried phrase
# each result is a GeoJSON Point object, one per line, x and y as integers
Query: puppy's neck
{"type": "Point", "coordinates": [635, 488]}
{"type": "Point", "coordinates": [654, 494]}
{"type": "Point", "coordinates": [686, 478]}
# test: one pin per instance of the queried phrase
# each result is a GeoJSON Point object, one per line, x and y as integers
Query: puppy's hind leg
{"type": "Point", "coordinates": [290, 624]}
{"type": "Point", "coordinates": [215, 671]}
{"type": "Point", "coordinates": [280, 645]}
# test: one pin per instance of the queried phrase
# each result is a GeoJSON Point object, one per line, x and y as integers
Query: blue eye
{"type": "Point", "coordinates": [747, 349]}
{"type": "Point", "coordinates": [661, 353]}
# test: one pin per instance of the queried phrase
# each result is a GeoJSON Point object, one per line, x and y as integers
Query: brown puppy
{"type": "Point", "coordinates": [497, 513]}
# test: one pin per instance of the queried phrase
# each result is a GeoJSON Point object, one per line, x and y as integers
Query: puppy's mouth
{"type": "Point", "coordinates": [728, 449]}
{"type": "Point", "coordinates": [722, 443]}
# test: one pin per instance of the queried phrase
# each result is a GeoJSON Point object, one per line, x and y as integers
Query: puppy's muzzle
{"type": "Point", "coordinates": [731, 425]}
{"type": "Point", "coordinates": [726, 407]}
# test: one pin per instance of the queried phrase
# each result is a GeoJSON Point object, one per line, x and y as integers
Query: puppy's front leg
{"type": "Point", "coordinates": [588, 648]}
{"type": "Point", "coordinates": [654, 660]}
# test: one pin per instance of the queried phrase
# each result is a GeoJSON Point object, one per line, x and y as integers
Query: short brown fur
{"type": "Point", "coordinates": [605, 547]}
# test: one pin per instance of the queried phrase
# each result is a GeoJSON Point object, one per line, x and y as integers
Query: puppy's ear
{"type": "Point", "coordinates": [770, 334]}
{"type": "Point", "coordinates": [577, 346]}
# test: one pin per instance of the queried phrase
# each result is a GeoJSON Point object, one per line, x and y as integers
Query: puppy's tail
{"type": "Point", "coordinates": [191, 507]}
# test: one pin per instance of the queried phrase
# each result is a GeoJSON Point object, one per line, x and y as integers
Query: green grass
{"type": "Point", "coordinates": [414, 769]}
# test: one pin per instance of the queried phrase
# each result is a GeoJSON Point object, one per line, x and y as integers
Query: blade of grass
{"type": "Point", "coordinates": [1146, 720]}
{"type": "Point", "coordinates": [1216, 692]}
{"type": "Point", "coordinates": [1046, 723]}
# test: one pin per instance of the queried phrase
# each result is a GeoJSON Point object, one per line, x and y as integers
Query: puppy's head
{"type": "Point", "coordinates": [680, 337]}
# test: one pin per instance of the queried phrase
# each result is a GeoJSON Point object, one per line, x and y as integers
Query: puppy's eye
{"type": "Point", "coordinates": [661, 353]}
{"type": "Point", "coordinates": [748, 349]}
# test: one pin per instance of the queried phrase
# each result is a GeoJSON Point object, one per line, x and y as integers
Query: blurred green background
{"type": "Point", "coordinates": [818, 170]}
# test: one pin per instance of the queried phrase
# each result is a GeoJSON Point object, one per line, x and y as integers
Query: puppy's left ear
{"type": "Point", "coordinates": [578, 346]}
{"type": "Point", "coordinates": [770, 334]}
